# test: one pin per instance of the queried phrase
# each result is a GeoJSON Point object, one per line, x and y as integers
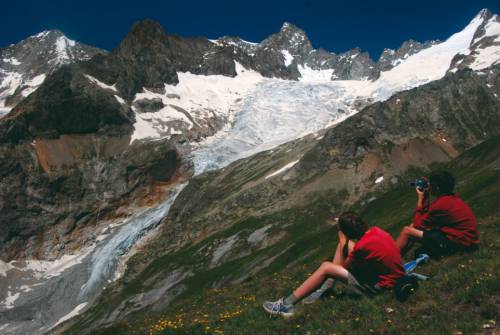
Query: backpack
{"type": "Point", "coordinates": [405, 286]}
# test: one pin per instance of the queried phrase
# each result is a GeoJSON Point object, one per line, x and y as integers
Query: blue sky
{"type": "Point", "coordinates": [334, 25]}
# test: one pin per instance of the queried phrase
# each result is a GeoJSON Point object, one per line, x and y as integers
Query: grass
{"type": "Point", "coordinates": [462, 296]}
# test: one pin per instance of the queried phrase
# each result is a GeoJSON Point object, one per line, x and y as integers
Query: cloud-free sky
{"type": "Point", "coordinates": [333, 25]}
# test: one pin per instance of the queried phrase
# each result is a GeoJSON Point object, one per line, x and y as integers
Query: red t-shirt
{"type": "Point", "coordinates": [452, 216]}
{"type": "Point", "coordinates": [376, 259]}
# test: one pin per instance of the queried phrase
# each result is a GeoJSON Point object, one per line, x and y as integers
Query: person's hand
{"type": "Point", "coordinates": [422, 194]}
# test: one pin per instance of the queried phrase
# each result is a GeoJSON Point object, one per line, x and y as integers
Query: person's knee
{"type": "Point", "coordinates": [326, 264]}
{"type": "Point", "coordinates": [325, 267]}
{"type": "Point", "coordinates": [407, 230]}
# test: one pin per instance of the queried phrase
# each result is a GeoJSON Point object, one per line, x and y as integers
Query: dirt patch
{"type": "Point", "coordinates": [55, 155]}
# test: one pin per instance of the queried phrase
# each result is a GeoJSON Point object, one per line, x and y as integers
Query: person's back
{"type": "Point", "coordinates": [375, 259]}
{"type": "Point", "coordinates": [452, 216]}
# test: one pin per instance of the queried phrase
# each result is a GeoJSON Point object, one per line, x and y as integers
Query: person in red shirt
{"type": "Point", "coordinates": [372, 265]}
{"type": "Point", "coordinates": [446, 225]}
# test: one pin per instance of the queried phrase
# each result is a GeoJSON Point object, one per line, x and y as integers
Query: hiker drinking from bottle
{"type": "Point", "coordinates": [367, 260]}
{"type": "Point", "coordinates": [446, 225]}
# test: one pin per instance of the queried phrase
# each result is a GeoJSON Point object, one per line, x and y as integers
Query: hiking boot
{"type": "Point", "coordinates": [278, 307]}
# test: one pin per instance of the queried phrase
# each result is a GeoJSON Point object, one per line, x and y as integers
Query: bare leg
{"type": "Point", "coordinates": [339, 258]}
{"type": "Point", "coordinates": [407, 235]}
{"type": "Point", "coordinates": [326, 270]}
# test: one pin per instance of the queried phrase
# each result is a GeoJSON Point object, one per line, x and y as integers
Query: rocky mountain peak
{"type": "Point", "coordinates": [485, 44]}
{"type": "Point", "coordinates": [144, 35]}
{"type": "Point", "coordinates": [47, 34]}
{"type": "Point", "coordinates": [289, 28]}
{"type": "Point", "coordinates": [488, 26]}
{"type": "Point", "coordinates": [24, 66]}
{"type": "Point", "coordinates": [290, 38]}
{"type": "Point", "coordinates": [485, 14]}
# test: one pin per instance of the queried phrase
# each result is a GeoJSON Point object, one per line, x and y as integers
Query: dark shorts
{"type": "Point", "coordinates": [435, 243]}
{"type": "Point", "coordinates": [358, 288]}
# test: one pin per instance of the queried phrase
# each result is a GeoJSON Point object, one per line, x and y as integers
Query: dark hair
{"type": "Point", "coordinates": [352, 225]}
{"type": "Point", "coordinates": [442, 182]}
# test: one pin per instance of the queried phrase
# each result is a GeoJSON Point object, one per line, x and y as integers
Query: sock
{"type": "Point", "coordinates": [291, 300]}
{"type": "Point", "coordinates": [327, 284]}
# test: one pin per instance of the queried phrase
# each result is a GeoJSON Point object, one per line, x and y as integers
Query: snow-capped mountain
{"type": "Point", "coordinates": [484, 48]}
{"type": "Point", "coordinates": [25, 65]}
{"type": "Point", "coordinates": [353, 76]}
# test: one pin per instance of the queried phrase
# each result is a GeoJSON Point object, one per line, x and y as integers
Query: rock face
{"type": "Point", "coordinates": [25, 65]}
{"type": "Point", "coordinates": [54, 191]}
{"type": "Point", "coordinates": [355, 65]}
{"type": "Point", "coordinates": [279, 54]}
{"type": "Point", "coordinates": [67, 103]}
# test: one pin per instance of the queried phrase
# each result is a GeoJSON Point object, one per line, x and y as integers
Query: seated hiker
{"type": "Point", "coordinates": [444, 226]}
{"type": "Point", "coordinates": [372, 265]}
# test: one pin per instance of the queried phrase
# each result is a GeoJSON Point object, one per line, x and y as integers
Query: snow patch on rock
{"type": "Point", "coordinates": [288, 57]}
{"type": "Point", "coordinates": [309, 75]}
{"type": "Point", "coordinates": [8, 303]}
{"type": "Point", "coordinates": [71, 314]}
{"type": "Point", "coordinates": [4, 268]}
{"type": "Point", "coordinates": [486, 57]}
{"type": "Point", "coordinates": [101, 84]}
{"type": "Point", "coordinates": [61, 48]}
{"type": "Point", "coordinates": [12, 61]}
{"type": "Point", "coordinates": [283, 169]}
{"type": "Point", "coordinates": [119, 99]}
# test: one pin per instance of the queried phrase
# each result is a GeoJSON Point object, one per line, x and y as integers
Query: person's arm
{"type": "Point", "coordinates": [349, 260]}
{"type": "Point", "coordinates": [356, 257]}
{"type": "Point", "coordinates": [422, 210]}
{"type": "Point", "coordinates": [436, 215]}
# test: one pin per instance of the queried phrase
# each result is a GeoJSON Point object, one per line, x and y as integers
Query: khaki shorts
{"type": "Point", "coordinates": [358, 288]}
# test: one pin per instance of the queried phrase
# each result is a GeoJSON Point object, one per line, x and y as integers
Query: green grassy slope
{"type": "Point", "coordinates": [463, 295]}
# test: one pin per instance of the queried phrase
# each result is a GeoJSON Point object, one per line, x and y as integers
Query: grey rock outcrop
{"type": "Point", "coordinates": [355, 65]}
